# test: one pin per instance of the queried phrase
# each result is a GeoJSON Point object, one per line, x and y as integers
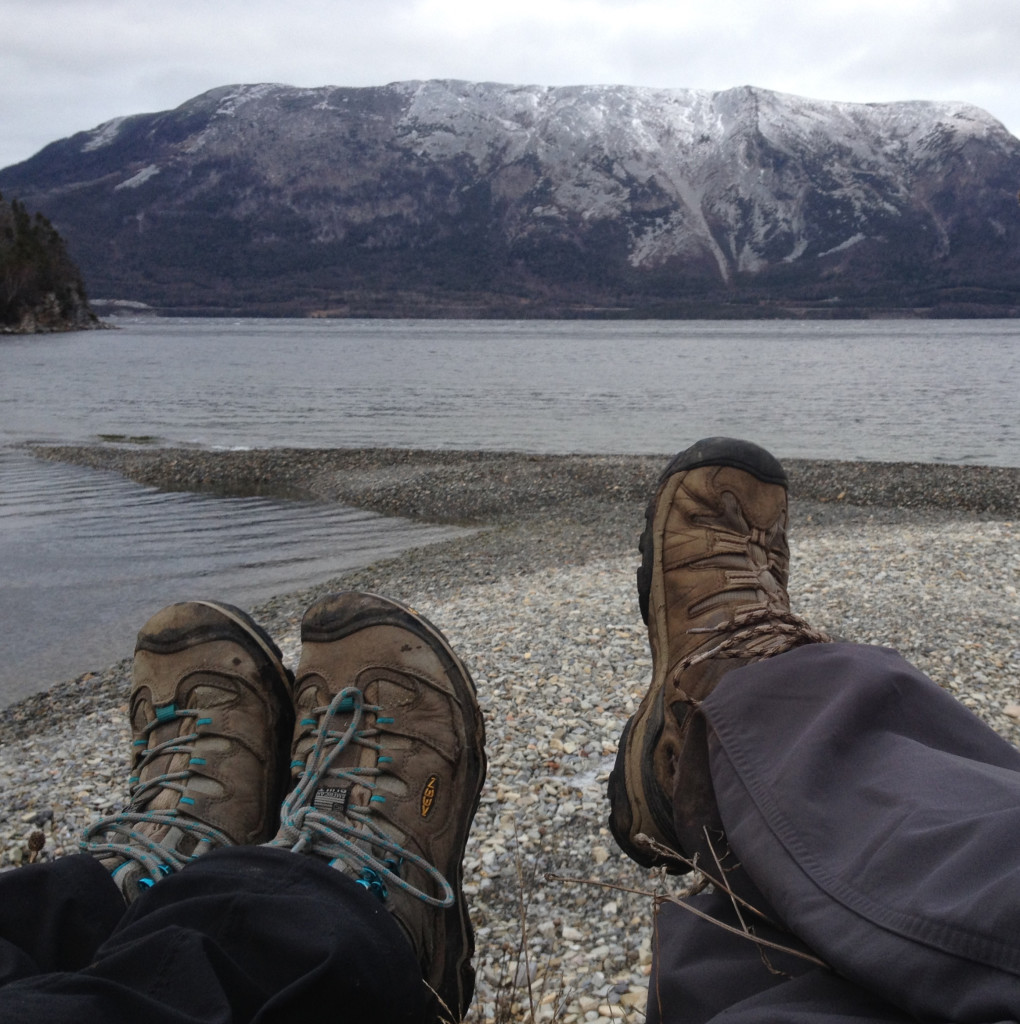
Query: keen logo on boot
{"type": "Point", "coordinates": [428, 796]}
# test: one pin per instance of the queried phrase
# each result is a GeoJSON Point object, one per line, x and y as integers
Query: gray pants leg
{"type": "Point", "coordinates": [880, 821]}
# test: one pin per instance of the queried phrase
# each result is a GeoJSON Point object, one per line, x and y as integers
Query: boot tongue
{"type": "Point", "coordinates": [336, 795]}
{"type": "Point", "coordinates": [334, 798]}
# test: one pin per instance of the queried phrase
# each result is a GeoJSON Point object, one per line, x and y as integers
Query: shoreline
{"type": "Point", "coordinates": [529, 508]}
{"type": "Point", "coordinates": [471, 486]}
{"type": "Point", "coordinates": [540, 603]}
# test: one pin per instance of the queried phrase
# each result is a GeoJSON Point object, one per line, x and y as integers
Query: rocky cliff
{"type": "Point", "coordinates": [458, 198]}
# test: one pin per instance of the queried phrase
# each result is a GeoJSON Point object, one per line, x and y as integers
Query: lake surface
{"type": "Point", "coordinates": [912, 390]}
{"type": "Point", "coordinates": [87, 556]}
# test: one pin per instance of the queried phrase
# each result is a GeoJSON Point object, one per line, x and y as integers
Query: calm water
{"type": "Point", "coordinates": [87, 556]}
{"type": "Point", "coordinates": [930, 390]}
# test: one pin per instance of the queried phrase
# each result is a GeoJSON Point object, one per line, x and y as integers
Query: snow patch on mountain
{"type": "Point", "coordinates": [240, 95]}
{"type": "Point", "coordinates": [138, 179]}
{"type": "Point", "coordinates": [103, 135]}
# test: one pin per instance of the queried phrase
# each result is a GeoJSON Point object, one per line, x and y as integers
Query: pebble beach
{"type": "Point", "coordinates": [540, 604]}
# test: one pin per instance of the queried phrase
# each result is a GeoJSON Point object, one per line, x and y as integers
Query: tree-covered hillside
{"type": "Point", "coordinates": [41, 289]}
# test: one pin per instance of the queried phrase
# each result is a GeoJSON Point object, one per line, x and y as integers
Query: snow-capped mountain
{"type": "Point", "coordinates": [447, 197]}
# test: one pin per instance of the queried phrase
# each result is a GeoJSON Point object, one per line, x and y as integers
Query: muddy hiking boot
{"type": "Point", "coordinates": [388, 763]}
{"type": "Point", "coordinates": [211, 720]}
{"type": "Point", "coordinates": [712, 591]}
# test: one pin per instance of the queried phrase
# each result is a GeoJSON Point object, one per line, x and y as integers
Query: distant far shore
{"type": "Point", "coordinates": [493, 307]}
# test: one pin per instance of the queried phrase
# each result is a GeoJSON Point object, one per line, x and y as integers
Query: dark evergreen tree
{"type": "Point", "coordinates": [38, 279]}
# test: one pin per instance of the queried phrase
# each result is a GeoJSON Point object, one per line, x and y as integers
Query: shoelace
{"type": "Point", "coordinates": [304, 828]}
{"type": "Point", "coordinates": [161, 858]}
{"type": "Point", "coordinates": [784, 629]}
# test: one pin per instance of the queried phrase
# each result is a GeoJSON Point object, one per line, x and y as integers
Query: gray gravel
{"type": "Point", "coordinates": [542, 607]}
{"type": "Point", "coordinates": [472, 486]}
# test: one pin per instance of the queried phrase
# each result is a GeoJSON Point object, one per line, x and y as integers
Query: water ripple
{"type": "Point", "coordinates": [88, 556]}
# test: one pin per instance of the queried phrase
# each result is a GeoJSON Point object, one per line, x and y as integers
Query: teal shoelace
{"type": "Point", "coordinates": [352, 840]}
{"type": "Point", "coordinates": [118, 835]}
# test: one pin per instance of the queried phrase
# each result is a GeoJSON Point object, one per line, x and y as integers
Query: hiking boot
{"type": "Point", "coordinates": [211, 722]}
{"type": "Point", "coordinates": [389, 762]}
{"type": "Point", "coordinates": [712, 591]}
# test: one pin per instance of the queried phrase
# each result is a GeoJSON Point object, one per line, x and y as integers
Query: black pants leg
{"type": "Point", "coordinates": [53, 917]}
{"type": "Point", "coordinates": [880, 821]}
{"type": "Point", "coordinates": [243, 934]}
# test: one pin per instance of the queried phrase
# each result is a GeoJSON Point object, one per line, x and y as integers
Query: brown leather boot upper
{"type": "Point", "coordinates": [723, 562]}
{"type": "Point", "coordinates": [211, 715]}
{"type": "Point", "coordinates": [712, 587]}
{"type": "Point", "coordinates": [389, 761]}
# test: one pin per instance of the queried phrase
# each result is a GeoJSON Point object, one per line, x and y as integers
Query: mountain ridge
{"type": "Point", "coordinates": [443, 196]}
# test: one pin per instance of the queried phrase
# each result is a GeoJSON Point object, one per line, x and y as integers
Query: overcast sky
{"type": "Point", "coordinates": [69, 65]}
